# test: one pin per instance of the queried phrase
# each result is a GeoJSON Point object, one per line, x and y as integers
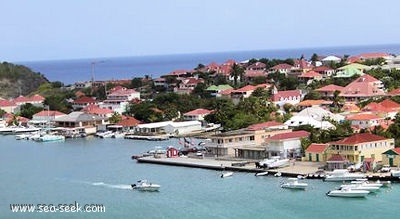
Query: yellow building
{"type": "Point", "coordinates": [391, 157]}
{"type": "Point", "coordinates": [361, 146]}
{"type": "Point", "coordinates": [316, 152]}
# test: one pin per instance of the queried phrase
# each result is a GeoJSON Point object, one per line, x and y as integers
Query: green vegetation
{"type": "Point", "coordinates": [18, 80]}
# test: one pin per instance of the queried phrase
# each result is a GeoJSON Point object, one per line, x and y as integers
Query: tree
{"type": "Point", "coordinates": [237, 72]}
{"type": "Point", "coordinates": [314, 58]}
{"type": "Point", "coordinates": [136, 83]}
{"type": "Point", "coordinates": [115, 118]}
{"type": "Point", "coordinates": [28, 110]}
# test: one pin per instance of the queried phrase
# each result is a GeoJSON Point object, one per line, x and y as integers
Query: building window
{"type": "Point", "coordinates": [356, 148]}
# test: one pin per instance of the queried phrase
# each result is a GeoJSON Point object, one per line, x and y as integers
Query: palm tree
{"type": "Point", "coordinates": [237, 72]}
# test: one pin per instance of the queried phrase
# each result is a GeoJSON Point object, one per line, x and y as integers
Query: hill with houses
{"type": "Point", "coordinates": [316, 109]}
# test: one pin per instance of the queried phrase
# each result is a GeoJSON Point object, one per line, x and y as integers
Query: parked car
{"type": "Point", "coordinates": [385, 168]}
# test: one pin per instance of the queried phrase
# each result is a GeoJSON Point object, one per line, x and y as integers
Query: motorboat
{"type": "Point", "coordinates": [118, 135]}
{"type": "Point", "coordinates": [348, 193]}
{"type": "Point", "coordinates": [293, 183]}
{"type": "Point", "coordinates": [395, 173]}
{"type": "Point", "coordinates": [360, 187]}
{"type": "Point", "coordinates": [50, 137]}
{"type": "Point", "coordinates": [144, 185]}
{"type": "Point", "coordinates": [262, 173]}
{"type": "Point", "coordinates": [278, 174]}
{"type": "Point", "coordinates": [343, 175]}
{"type": "Point", "coordinates": [226, 174]}
{"type": "Point", "coordinates": [279, 163]}
{"type": "Point", "coordinates": [365, 182]}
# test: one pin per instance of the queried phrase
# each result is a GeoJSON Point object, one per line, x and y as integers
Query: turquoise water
{"type": "Point", "coordinates": [99, 171]}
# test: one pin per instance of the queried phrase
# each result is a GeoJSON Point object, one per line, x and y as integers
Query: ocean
{"type": "Point", "coordinates": [110, 68]}
{"type": "Point", "coordinates": [100, 171]}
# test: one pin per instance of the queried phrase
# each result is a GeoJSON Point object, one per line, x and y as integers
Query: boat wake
{"type": "Point", "coordinates": [113, 186]}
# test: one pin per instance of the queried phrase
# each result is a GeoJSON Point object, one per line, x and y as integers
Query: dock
{"type": "Point", "coordinates": [308, 170]}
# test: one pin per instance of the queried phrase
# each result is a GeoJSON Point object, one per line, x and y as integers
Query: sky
{"type": "Point", "coordinates": [54, 30]}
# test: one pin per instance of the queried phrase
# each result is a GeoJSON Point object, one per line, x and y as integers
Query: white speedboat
{"type": "Point", "coordinates": [365, 182]}
{"type": "Point", "coordinates": [348, 193]}
{"type": "Point", "coordinates": [226, 174]}
{"type": "Point", "coordinates": [343, 175]}
{"type": "Point", "coordinates": [50, 137]}
{"type": "Point", "coordinates": [262, 173]}
{"type": "Point", "coordinates": [144, 185]}
{"type": "Point", "coordinates": [360, 187]}
{"type": "Point", "coordinates": [395, 173]}
{"type": "Point", "coordinates": [293, 183]}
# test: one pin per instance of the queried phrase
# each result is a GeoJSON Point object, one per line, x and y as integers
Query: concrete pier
{"type": "Point", "coordinates": [307, 169]}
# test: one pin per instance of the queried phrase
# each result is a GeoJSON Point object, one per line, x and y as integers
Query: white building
{"type": "Point", "coordinates": [314, 116]}
{"type": "Point", "coordinates": [119, 100]}
{"type": "Point", "coordinates": [285, 145]}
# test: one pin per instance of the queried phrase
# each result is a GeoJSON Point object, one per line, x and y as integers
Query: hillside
{"type": "Point", "coordinates": [18, 80]}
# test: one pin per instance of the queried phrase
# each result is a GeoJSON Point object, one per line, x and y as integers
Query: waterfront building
{"type": "Point", "coordinates": [245, 143]}
{"type": "Point", "coordinates": [45, 117]}
{"type": "Point", "coordinates": [285, 145]}
{"type": "Point", "coordinates": [196, 115]}
{"type": "Point", "coordinates": [81, 120]}
{"type": "Point", "coordinates": [316, 152]}
{"type": "Point", "coordinates": [360, 146]}
{"type": "Point", "coordinates": [169, 128]}
{"type": "Point", "coordinates": [391, 157]}
{"type": "Point", "coordinates": [282, 68]}
{"type": "Point", "coordinates": [8, 106]}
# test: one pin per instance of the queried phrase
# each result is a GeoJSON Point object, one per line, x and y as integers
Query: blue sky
{"type": "Point", "coordinates": [48, 29]}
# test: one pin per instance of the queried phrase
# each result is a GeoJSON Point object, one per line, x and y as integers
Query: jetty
{"type": "Point", "coordinates": [308, 170]}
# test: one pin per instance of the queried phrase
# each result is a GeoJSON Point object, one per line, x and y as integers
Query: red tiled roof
{"type": "Point", "coordinates": [6, 103]}
{"type": "Point", "coordinates": [363, 117]}
{"type": "Point", "coordinates": [226, 92]}
{"type": "Point", "coordinates": [94, 109]}
{"type": "Point", "coordinates": [263, 125]}
{"type": "Point", "coordinates": [330, 88]}
{"type": "Point", "coordinates": [198, 112]}
{"type": "Point", "coordinates": [397, 150]}
{"type": "Point", "coordinates": [246, 88]}
{"type": "Point", "coordinates": [289, 135]}
{"type": "Point", "coordinates": [360, 138]}
{"type": "Point", "coordinates": [373, 55]}
{"type": "Point", "coordinates": [254, 73]}
{"type": "Point", "coordinates": [21, 99]}
{"type": "Point", "coordinates": [128, 122]}
{"type": "Point", "coordinates": [49, 113]}
{"type": "Point", "coordinates": [257, 65]}
{"type": "Point", "coordinates": [322, 69]}
{"type": "Point", "coordinates": [282, 66]}
{"type": "Point", "coordinates": [390, 104]}
{"type": "Point", "coordinates": [311, 102]}
{"type": "Point", "coordinates": [394, 92]}
{"type": "Point", "coordinates": [310, 74]}
{"type": "Point", "coordinates": [336, 157]}
{"type": "Point", "coordinates": [84, 100]}
{"type": "Point", "coordinates": [316, 148]}
{"type": "Point", "coordinates": [285, 94]}
{"type": "Point", "coordinates": [36, 98]}
{"type": "Point", "coordinates": [364, 86]}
